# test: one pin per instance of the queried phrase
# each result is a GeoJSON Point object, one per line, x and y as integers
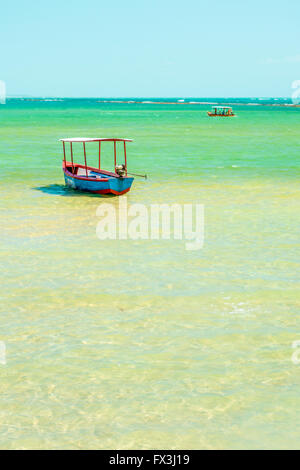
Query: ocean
{"type": "Point", "coordinates": [142, 344]}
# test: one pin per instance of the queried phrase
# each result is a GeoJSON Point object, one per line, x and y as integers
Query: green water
{"type": "Point", "coordinates": [140, 343]}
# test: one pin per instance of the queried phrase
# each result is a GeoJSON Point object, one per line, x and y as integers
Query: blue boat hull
{"type": "Point", "coordinates": [97, 181]}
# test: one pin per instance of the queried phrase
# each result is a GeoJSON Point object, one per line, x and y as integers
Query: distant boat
{"type": "Point", "coordinates": [96, 180]}
{"type": "Point", "coordinates": [221, 111]}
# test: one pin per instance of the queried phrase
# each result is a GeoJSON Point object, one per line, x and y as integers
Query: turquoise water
{"type": "Point", "coordinates": [140, 343]}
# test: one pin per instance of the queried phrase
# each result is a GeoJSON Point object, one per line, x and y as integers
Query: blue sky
{"type": "Point", "coordinates": [152, 48]}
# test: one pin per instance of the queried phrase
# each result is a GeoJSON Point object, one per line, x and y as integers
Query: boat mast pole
{"type": "Point", "coordinates": [64, 152]}
{"type": "Point", "coordinates": [72, 157]}
{"type": "Point", "coordinates": [99, 153]}
{"type": "Point", "coordinates": [85, 159]}
{"type": "Point", "coordinates": [115, 152]}
{"type": "Point", "coordinates": [125, 157]}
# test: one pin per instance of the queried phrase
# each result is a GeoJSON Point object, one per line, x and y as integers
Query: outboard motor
{"type": "Point", "coordinates": [121, 170]}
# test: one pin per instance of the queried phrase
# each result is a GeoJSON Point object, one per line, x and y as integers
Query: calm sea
{"type": "Point", "coordinates": [141, 344]}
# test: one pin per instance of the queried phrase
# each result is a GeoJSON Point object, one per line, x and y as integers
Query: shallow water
{"type": "Point", "coordinates": [140, 343]}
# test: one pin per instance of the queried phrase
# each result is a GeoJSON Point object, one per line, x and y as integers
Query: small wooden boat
{"type": "Point", "coordinates": [96, 180]}
{"type": "Point", "coordinates": [221, 111]}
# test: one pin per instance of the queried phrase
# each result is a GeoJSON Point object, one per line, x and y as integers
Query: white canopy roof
{"type": "Point", "coordinates": [93, 139]}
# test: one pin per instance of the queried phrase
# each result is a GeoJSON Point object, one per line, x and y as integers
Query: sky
{"type": "Point", "coordinates": [157, 48]}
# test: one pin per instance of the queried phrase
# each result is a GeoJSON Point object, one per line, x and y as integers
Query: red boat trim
{"type": "Point", "coordinates": [110, 191]}
{"type": "Point", "coordinates": [84, 178]}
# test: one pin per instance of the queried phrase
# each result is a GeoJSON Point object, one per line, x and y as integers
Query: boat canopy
{"type": "Point", "coordinates": [221, 107]}
{"type": "Point", "coordinates": [84, 140]}
{"type": "Point", "coordinates": [93, 139]}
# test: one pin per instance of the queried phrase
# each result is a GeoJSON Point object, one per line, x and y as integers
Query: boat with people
{"type": "Point", "coordinates": [221, 111]}
{"type": "Point", "coordinates": [96, 180]}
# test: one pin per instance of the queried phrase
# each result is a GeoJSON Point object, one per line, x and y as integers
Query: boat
{"type": "Point", "coordinates": [222, 111]}
{"type": "Point", "coordinates": [95, 180]}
